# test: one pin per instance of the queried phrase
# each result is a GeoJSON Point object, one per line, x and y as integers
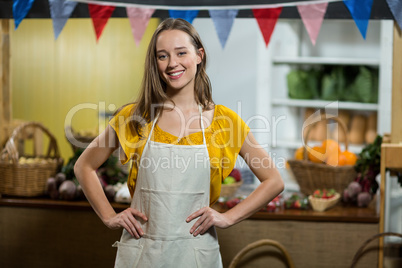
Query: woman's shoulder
{"type": "Point", "coordinates": [223, 111]}
{"type": "Point", "coordinates": [125, 110]}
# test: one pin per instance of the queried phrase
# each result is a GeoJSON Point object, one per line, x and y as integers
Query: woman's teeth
{"type": "Point", "coordinates": [176, 74]}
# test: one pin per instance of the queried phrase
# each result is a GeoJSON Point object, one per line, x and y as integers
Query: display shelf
{"type": "Point", "coordinates": [294, 144]}
{"type": "Point", "coordinates": [326, 61]}
{"type": "Point", "coordinates": [322, 104]}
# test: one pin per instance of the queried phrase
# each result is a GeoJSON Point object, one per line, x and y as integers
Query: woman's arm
{"type": "Point", "coordinates": [264, 169]}
{"type": "Point", "coordinates": [85, 170]}
{"type": "Point", "coordinates": [271, 185]}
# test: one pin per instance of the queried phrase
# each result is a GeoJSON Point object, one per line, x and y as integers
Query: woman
{"type": "Point", "coordinates": [182, 146]}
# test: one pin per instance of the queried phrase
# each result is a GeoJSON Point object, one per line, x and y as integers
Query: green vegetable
{"type": "Point", "coordinates": [360, 89]}
{"type": "Point", "coordinates": [333, 84]}
{"type": "Point", "coordinates": [303, 84]}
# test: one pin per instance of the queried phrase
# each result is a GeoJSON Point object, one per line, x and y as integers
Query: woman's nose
{"type": "Point", "coordinates": [173, 62]}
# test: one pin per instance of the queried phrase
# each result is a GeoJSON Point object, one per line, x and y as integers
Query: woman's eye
{"type": "Point", "coordinates": [182, 53]}
{"type": "Point", "coordinates": [162, 57]}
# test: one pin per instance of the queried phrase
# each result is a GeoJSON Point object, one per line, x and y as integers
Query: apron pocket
{"type": "Point", "coordinates": [128, 255]}
{"type": "Point", "coordinates": [210, 257]}
{"type": "Point", "coordinates": [167, 213]}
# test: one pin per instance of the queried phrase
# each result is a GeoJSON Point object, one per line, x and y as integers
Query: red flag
{"type": "Point", "coordinates": [267, 18]}
{"type": "Point", "coordinates": [100, 15]}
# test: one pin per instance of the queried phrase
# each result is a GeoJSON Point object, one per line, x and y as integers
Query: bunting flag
{"type": "Point", "coordinates": [223, 21]}
{"type": "Point", "coordinates": [100, 15]}
{"type": "Point", "coordinates": [139, 19]}
{"type": "Point", "coordinates": [60, 11]}
{"type": "Point", "coordinates": [396, 9]}
{"type": "Point", "coordinates": [360, 11]}
{"type": "Point", "coordinates": [188, 15]}
{"type": "Point", "coordinates": [20, 10]}
{"type": "Point", "coordinates": [312, 17]}
{"type": "Point", "coordinates": [267, 19]}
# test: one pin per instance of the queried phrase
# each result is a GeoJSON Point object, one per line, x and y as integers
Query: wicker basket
{"type": "Point", "coordinates": [27, 179]}
{"type": "Point", "coordinates": [229, 190]}
{"type": "Point", "coordinates": [76, 140]}
{"type": "Point", "coordinates": [263, 242]}
{"type": "Point", "coordinates": [322, 204]}
{"type": "Point", "coordinates": [311, 176]}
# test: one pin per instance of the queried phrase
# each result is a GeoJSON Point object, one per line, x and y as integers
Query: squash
{"type": "Point", "coordinates": [309, 112]}
{"type": "Point", "coordinates": [357, 129]}
{"type": "Point", "coordinates": [338, 134]}
{"type": "Point", "coordinates": [371, 132]}
{"type": "Point", "coordinates": [320, 131]}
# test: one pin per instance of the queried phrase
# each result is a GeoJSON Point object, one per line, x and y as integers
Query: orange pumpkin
{"type": "Point", "coordinates": [336, 160]}
{"type": "Point", "coordinates": [350, 158]}
{"type": "Point", "coordinates": [299, 153]}
{"type": "Point", "coordinates": [316, 154]}
{"type": "Point", "coordinates": [331, 147]}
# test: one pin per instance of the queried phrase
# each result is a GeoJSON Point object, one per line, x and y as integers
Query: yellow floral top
{"type": "Point", "coordinates": [224, 137]}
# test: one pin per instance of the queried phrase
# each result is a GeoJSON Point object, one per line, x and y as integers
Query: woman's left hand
{"type": "Point", "coordinates": [208, 218]}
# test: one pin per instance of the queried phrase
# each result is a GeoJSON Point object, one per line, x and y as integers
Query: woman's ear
{"type": "Point", "coordinates": [200, 55]}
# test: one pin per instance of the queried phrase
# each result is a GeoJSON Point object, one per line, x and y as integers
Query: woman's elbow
{"type": "Point", "coordinates": [78, 168]}
{"type": "Point", "coordinates": [281, 185]}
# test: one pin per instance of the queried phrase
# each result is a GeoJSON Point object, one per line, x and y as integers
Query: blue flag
{"type": "Point", "coordinates": [360, 11]}
{"type": "Point", "coordinates": [60, 11]}
{"type": "Point", "coordinates": [20, 10]}
{"type": "Point", "coordinates": [188, 15]}
{"type": "Point", "coordinates": [223, 21]}
{"type": "Point", "coordinates": [396, 8]}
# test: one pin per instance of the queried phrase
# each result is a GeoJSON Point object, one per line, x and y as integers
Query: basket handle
{"type": "Point", "coordinates": [360, 250]}
{"type": "Point", "coordinates": [11, 148]}
{"type": "Point", "coordinates": [326, 118]}
{"type": "Point", "coordinates": [259, 243]}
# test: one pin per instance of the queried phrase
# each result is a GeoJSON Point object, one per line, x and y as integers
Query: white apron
{"type": "Point", "coordinates": [173, 181]}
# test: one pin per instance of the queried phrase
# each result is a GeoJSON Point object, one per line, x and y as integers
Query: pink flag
{"type": "Point", "coordinates": [100, 15]}
{"type": "Point", "coordinates": [267, 18]}
{"type": "Point", "coordinates": [139, 19]}
{"type": "Point", "coordinates": [312, 17]}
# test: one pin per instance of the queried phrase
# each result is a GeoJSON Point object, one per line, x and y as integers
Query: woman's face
{"type": "Point", "coordinates": [177, 60]}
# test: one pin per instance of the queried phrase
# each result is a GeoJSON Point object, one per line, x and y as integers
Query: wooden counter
{"type": "Point", "coordinates": [39, 232]}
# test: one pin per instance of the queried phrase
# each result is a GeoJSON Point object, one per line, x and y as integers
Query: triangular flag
{"type": "Point", "coordinates": [188, 15]}
{"type": "Point", "coordinates": [267, 18]}
{"type": "Point", "coordinates": [360, 11]}
{"type": "Point", "coordinates": [223, 21]}
{"type": "Point", "coordinates": [20, 10]}
{"type": "Point", "coordinates": [139, 19]}
{"type": "Point", "coordinates": [396, 8]}
{"type": "Point", "coordinates": [100, 15]}
{"type": "Point", "coordinates": [60, 11]}
{"type": "Point", "coordinates": [312, 17]}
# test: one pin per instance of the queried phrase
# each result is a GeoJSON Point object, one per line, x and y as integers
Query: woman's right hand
{"type": "Point", "coordinates": [127, 220]}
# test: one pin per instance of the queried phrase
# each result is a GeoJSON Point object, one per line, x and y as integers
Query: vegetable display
{"type": "Point", "coordinates": [342, 83]}
{"type": "Point", "coordinates": [65, 185]}
{"type": "Point", "coordinates": [362, 190]}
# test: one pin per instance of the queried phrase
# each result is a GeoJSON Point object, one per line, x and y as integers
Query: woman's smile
{"type": "Point", "coordinates": [176, 74]}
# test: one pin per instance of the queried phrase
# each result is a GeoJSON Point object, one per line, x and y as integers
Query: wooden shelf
{"type": "Point", "coordinates": [327, 61]}
{"type": "Point", "coordinates": [337, 214]}
{"type": "Point", "coordinates": [43, 202]}
{"type": "Point", "coordinates": [326, 104]}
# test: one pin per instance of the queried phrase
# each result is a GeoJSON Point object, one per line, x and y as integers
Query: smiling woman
{"type": "Point", "coordinates": [174, 133]}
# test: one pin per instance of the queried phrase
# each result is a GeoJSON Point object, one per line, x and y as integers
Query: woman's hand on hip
{"type": "Point", "coordinates": [127, 220]}
{"type": "Point", "coordinates": [208, 217]}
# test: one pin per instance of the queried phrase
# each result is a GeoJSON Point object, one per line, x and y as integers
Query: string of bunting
{"type": "Point", "coordinates": [222, 13]}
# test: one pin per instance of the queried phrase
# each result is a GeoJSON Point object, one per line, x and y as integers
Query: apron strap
{"type": "Point", "coordinates": [202, 126]}
{"type": "Point", "coordinates": [153, 126]}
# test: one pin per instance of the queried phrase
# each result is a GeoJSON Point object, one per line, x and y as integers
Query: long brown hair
{"type": "Point", "coordinates": [153, 88]}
